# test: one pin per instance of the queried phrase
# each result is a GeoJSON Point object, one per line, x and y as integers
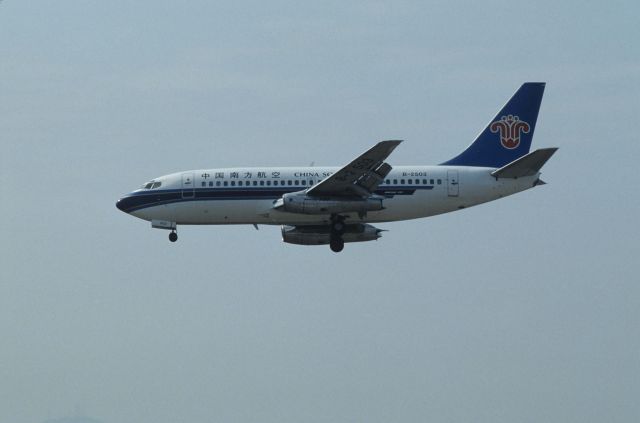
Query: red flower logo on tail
{"type": "Point", "coordinates": [510, 128]}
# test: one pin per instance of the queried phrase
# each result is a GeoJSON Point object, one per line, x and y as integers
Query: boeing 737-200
{"type": "Point", "coordinates": [331, 205]}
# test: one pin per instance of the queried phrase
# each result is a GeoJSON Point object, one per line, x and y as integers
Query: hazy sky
{"type": "Point", "coordinates": [521, 310]}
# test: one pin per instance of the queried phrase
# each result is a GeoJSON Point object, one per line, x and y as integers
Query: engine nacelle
{"type": "Point", "coordinates": [301, 203]}
{"type": "Point", "coordinates": [321, 234]}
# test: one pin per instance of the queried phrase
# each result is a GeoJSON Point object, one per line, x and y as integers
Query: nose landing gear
{"type": "Point", "coordinates": [166, 224]}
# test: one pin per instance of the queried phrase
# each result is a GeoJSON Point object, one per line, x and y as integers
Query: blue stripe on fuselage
{"type": "Point", "coordinates": [145, 199]}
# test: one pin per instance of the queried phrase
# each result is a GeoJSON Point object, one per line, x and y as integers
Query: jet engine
{"type": "Point", "coordinates": [321, 234]}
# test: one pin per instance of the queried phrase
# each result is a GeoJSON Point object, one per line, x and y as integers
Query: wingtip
{"type": "Point", "coordinates": [391, 144]}
{"type": "Point", "coordinates": [551, 150]}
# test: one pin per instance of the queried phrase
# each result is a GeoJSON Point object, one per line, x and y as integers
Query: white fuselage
{"type": "Point", "coordinates": [247, 195]}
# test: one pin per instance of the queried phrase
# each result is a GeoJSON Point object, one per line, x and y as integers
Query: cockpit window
{"type": "Point", "coordinates": [151, 185]}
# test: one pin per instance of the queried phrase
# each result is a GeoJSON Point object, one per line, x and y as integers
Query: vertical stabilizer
{"type": "Point", "coordinates": [508, 136]}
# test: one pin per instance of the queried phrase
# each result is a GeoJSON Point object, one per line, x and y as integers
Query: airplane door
{"type": "Point", "coordinates": [452, 183]}
{"type": "Point", "coordinates": [188, 185]}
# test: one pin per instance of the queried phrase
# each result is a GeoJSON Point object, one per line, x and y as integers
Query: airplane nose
{"type": "Point", "coordinates": [123, 204]}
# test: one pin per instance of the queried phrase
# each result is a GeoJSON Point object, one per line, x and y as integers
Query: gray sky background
{"type": "Point", "coordinates": [525, 309]}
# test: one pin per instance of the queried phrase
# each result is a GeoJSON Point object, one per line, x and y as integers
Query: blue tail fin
{"type": "Point", "coordinates": [508, 136]}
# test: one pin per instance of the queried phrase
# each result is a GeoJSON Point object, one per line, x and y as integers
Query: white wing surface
{"type": "Point", "coordinates": [361, 177]}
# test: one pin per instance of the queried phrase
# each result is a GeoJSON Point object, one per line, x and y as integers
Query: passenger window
{"type": "Point", "coordinates": [289, 182]}
{"type": "Point", "coordinates": [424, 182]}
{"type": "Point", "coordinates": [210, 183]}
{"type": "Point", "coordinates": [297, 183]}
{"type": "Point", "coordinates": [226, 183]}
{"type": "Point", "coordinates": [439, 181]}
{"type": "Point", "coordinates": [304, 182]}
{"type": "Point", "coordinates": [233, 183]}
{"type": "Point", "coordinates": [310, 183]}
{"type": "Point", "coordinates": [388, 181]}
{"type": "Point", "coordinates": [410, 181]}
{"type": "Point", "coordinates": [395, 182]}
{"type": "Point", "coordinates": [402, 181]}
{"type": "Point", "coordinates": [255, 183]}
{"type": "Point", "coordinates": [261, 183]}
{"type": "Point", "coordinates": [432, 182]}
{"type": "Point", "coordinates": [217, 183]}
{"type": "Point", "coordinates": [240, 183]}
{"type": "Point", "coordinates": [204, 184]}
{"type": "Point", "coordinates": [269, 183]}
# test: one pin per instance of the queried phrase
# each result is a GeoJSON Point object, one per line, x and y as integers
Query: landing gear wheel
{"type": "Point", "coordinates": [173, 236]}
{"type": "Point", "coordinates": [336, 244]}
{"type": "Point", "coordinates": [337, 229]}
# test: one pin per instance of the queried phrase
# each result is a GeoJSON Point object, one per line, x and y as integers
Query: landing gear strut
{"type": "Point", "coordinates": [336, 243]}
{"type": "Point", "coordinates": [173, 236]}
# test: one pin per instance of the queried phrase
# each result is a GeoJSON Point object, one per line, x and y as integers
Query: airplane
{"type": "Point", "coordinates": [334, 206]}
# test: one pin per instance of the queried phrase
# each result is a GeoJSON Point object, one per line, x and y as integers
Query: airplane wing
{"type": "Point", "coordinates": [360, 177]}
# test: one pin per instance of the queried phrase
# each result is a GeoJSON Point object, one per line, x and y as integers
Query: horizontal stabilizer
{"type": "Point", "coordinates": [527, 165]}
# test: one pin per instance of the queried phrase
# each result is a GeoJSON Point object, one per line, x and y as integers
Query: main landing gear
{"type": "Point", "coordinates": [173, 236]}
{"type": "Point", "coordinates": [336, 243]}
